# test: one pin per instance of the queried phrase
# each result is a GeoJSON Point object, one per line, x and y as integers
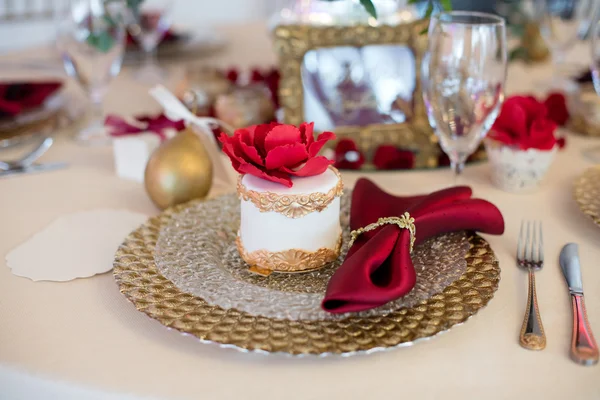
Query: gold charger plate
{"type": "Point", "coordinates": [586, 191]}
{"type": "Point", "coordinates": [151, 293]}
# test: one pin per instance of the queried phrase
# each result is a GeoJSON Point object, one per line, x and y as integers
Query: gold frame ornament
{"type": "Point", "coordinates": [292, 42]}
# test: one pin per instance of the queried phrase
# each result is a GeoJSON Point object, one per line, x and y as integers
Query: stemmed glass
{"type": "Point", "coordinates": [149, 22]}
{"type": "Point", "coordinates": [463, 76]}
{"type": "Point", "coordinates": [593, 152]}
{"type": "Point", "coordinates": [560, 24]}
{"type": "Point", "coordinates": [90, 39]}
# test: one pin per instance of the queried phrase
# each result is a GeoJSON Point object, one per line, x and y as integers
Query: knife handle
{"type": "Point", "coordinates": [584, 349]}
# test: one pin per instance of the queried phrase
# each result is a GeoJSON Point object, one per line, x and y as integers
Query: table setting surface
{"type": "Point", "coordinates": [85, 333]}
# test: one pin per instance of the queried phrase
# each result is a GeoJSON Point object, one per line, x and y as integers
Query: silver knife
{"type": "Point", "coordinates": [584, 349]}
{"type": "Point", "coordinates": [32, 168]}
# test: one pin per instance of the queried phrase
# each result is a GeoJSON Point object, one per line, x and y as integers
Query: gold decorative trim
{"type": "Point", "coordinates": [289, 261]}
{"type": "Point", "coordinates": [151, 293]}
{"type": "Point", "coordinates": [404, 222]}
{"type": "Point", "coordinates": [291, 205]}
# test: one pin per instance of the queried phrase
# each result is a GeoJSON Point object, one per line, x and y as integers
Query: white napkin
{"type": "Point", "coordinates": [77, 245]}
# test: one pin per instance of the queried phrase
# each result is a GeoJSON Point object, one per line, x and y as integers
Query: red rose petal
{"type": "Point", "coordinates": [501, 136]}
{"type": "Point", "coordinates": [282, 135]}
{"type": "Point", "coordinates": [307, 133]}
{"type": "Point", "coordinates": [273, 176]}
{"type": "Point", "coordinates": [246, 138]}
{"type": "Point", "coordinates": [314, 166]}
{"type": "Point", "coordinates": [316, 146]}
{"type": "Point", "coordinates": [260, 133]}
{"type": "Point", "coordinates": [236, 161]}
{"type": "Point", "coordinates": [541, 134]}
{"type": "Point", "coordinates": [289, 156]}
{"type": "Point", "coordinates": [556, 103]}
{"type": "Point", "coordinates": [513, 117]}
{"type": "Point", "coordinates": [561, 142]}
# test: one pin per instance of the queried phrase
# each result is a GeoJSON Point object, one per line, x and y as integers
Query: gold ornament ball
{"type": "Point", "coordinates": [178, 171]}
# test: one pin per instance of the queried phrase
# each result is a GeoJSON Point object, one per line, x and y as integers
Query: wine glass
{"type": "Point", "coordinates": [90, 39]}
{"type": "Point", "coordinates": [561, 22]}
{"type": "Point", "coordinates": [463, 75]}
{"type": "Point", "coordinates": [149, 22]}
{"type": "Point", "coordinates": [592, 109]}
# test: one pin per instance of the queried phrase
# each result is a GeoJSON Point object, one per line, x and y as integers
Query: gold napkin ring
{"type": "Point", "coordinates": [405, 222]}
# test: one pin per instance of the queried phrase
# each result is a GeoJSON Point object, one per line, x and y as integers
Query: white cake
{"type": "Point", "coordinates": [290, 229]}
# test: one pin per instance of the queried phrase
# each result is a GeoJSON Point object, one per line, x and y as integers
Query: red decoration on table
{"type": "Point", "coordinates": [347, 155]}
{"type": "Point", "coordinates": [144, 123]}
{"type": "Point", "coordinates": [378, 268]}
{"type": "Point", "coordinates": [276, 152]}
{"type": "Point", "coordinates": [523, 122]}
{"type": "Point", "coordinates": [17, 97]}
{"type": "Point", "coordinates": [391, 157]}
{"type": "Point", "coordinates": [556, 104]}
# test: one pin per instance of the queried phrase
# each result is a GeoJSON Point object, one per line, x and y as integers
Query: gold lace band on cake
{"type": "Point", "coordinates": [405, 222]}
{"type": "Point", "coordinates": [264, 262]}
{"type": "Point", "coordinates": [291, 205]}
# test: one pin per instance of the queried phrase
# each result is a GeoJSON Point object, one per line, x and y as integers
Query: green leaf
{"type": "Point", "coordinates": [519, 53]}
{"type": "Point", "coordinates": [446, 4]}
{"type": "Point", "coordinates": [429, 10]}
{"type": "Point", "coordinates": [368, 5]}
{"type": "Point", "coordinates": [102, 41]}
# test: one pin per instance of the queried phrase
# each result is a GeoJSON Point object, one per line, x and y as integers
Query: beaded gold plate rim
{"type": "Point", "coordinates": [151, 293]}
{"type": "Point", "coordinates": [586, 191]}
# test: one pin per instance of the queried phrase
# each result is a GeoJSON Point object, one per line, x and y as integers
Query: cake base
{"type": "Point", "coordinates": [264, 262]}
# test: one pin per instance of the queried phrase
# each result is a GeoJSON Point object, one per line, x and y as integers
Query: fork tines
{"type": "Point", "coordinates": [530, 249]}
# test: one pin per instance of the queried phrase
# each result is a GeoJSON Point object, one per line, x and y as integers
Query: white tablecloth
{"type": "Point", "coordinates": [82, 339]}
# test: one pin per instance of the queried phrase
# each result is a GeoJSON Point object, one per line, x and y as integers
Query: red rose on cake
{"type": "Point", "coordinates": [276, 152]}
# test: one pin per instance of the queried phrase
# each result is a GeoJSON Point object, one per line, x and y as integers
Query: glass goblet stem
{"type": "Point", "coordinates": [150, 57]}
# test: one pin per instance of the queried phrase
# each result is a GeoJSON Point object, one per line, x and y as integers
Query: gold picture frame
{"type": "Point", "coordinates": [292, 42]}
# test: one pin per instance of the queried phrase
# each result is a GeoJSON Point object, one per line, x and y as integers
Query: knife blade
{"type": "Point", "coordinates": [32, 169]}
{"type": "Point", "coordinates": [584, 349]}
{"type": "Point", "coordinates": [569, 263]}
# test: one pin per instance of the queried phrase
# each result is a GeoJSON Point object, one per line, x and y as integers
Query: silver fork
{"type": "Point", "coordinates": [530, 256]}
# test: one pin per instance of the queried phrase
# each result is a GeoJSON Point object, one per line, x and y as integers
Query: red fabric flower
{"type": "Point", "coordinates": [556, 104]}
{"type": "Point", "coordinates": [391, 157]}
{"type": "Point", "coordinates": [276, 152]}
{"type": "Point", "coordinates": [232, 74]}
{"type": "Point", "coordinates": [347, 155]}
{"type": "Point", "coordinates": [256, 75]}
{"type": "Point", "coordinates": [523, 122]}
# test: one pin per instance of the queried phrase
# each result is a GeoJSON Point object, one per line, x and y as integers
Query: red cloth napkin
{"type": "Point", "coordinates": [378, 267]}
{"type": "Point", "coordinates": [17, 97]}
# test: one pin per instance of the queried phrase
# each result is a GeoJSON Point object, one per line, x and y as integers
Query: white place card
{"type": "Point", "coordinates": [77, 245]}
